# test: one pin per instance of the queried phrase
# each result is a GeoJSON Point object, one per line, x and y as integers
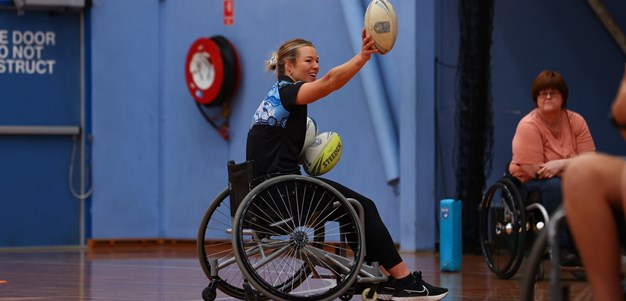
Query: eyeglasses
{"type": "Point", "coordinates": [545, 94]}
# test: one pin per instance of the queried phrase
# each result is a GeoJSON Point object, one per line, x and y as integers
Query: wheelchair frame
{"type": "Point", "coordinates": [548, 240]}
{"type": "Point", "coordinates": [274, 246]}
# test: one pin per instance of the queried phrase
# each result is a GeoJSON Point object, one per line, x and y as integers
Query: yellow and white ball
{"type": "Point", "coordinates": [323, 154]}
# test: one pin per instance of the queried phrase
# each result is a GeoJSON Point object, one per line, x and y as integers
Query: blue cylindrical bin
{"type": "Point", "coordinates": [450, 236]}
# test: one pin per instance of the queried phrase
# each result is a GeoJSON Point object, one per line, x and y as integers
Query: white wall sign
{"type": "Point", "coordinates": [24, 52]}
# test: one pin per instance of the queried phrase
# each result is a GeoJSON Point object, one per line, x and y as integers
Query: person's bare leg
{"type": "Point", "coordinates": [591, 193]}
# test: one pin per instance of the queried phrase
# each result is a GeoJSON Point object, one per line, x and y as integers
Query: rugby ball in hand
{"type": "Point", "coordinates": [323, 154]}
{"type": "Point", "coordinates": [381, 24]}
{"type": "Point", "coordinates": [311, 132]}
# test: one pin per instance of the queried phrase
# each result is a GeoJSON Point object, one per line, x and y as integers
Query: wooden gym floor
{"type": "Point", "coordinates": [172, 272]}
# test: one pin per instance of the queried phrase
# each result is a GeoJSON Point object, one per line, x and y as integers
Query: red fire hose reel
{"type": "Point", "coordinates": [212, 71]}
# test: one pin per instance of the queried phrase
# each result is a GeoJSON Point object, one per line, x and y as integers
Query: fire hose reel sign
{"type": "Point", "coordinates": [229, 12]}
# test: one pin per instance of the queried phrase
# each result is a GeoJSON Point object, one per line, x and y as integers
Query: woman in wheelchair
{"type": "Point", "coordinates": [545, 141]}
{"type": "Point", "coordinates": [274, 147]}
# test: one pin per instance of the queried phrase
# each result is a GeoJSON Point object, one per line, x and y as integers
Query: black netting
{"type": "Point", "coordinates": [473, 112]}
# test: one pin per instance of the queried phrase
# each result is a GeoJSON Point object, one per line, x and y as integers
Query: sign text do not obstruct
{"type": "Point", "coordinates": [23, 52]}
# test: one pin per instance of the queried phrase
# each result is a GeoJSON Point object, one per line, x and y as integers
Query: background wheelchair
{"type": "Point", "coordinates": [291, 237]}
{"type": "Point", "coordinates": [509, 220]}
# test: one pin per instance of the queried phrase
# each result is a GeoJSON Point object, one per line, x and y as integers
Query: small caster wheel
{"type": "Point", "coordinates": [208, 293]}
{"type": "Point", "coordinates": [367, 296]}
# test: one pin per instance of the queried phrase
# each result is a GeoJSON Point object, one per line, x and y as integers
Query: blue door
{"type": "Point", "coordinates": [40, 104]}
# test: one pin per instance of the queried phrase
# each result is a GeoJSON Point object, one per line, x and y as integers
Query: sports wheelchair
{"type": "Point", "coordinates": [509, 219]}
{"type": "Point", "coordinates": [287, 237]}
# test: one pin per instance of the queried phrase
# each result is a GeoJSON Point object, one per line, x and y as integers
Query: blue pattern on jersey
{"type": "Point", "coordinates": [271, 111]}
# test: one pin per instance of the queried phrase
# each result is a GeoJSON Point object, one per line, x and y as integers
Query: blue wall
{"type": "Point", "coordinates": [157, 163]}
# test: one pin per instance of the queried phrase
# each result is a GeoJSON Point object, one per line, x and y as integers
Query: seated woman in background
{"type": "Point", "coordinates": [594, 195]}
{"type": "Point", "coordinates": [545, 141]}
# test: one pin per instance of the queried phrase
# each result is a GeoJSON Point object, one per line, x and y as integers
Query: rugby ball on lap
{"type": "Point", "coordinates": [381, 24]}
{"type": "Point", "coordinates": [323, 154]}
{"type": "Point", "coordinates": [311, 132]}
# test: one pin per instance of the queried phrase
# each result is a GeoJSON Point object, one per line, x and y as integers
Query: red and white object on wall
{"type": "Point", "coordinates": [229, 12]}
{"type": "Point", "coordinates": [204, 70]}
{"type": "Point", "coordinates": [212, 74]}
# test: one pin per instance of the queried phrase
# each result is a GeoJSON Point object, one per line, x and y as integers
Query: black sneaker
{"type": "Point", "coordinates": [386, 289]}
{"type": "Point", "coordinates": [418, 290]}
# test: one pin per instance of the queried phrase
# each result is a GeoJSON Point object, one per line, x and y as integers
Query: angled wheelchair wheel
{"type": "Point", "coordinates": [214, 245]}
{"type": "Point", "coordinates": [297, 238]}
{"type": "Point", "coordinates": [502, 228]}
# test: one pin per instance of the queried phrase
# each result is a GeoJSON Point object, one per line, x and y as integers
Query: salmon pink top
{"type": "Point", "coordinates": [535, 143]}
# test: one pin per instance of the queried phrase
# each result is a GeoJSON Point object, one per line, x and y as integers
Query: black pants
{"type": "Point", "coordinates": [379, 245]}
